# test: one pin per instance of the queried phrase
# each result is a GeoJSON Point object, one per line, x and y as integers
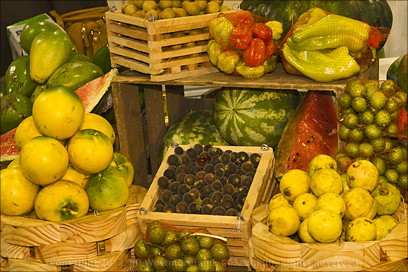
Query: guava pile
{"type": "Point", "coordinates": [168, 249]}
{"type": "Point", "coordinates": [323, 205]}
{"type": "Point", "coordinates": [67, 164]}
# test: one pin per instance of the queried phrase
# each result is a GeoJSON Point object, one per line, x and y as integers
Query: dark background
{"type": "Point", "coordinates": [16, 11]}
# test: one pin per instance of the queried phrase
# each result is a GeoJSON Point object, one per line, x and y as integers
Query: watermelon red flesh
{"type": "Point", "coordinates": [311, 131]}
{"type": "Point", "coordinates": [90, 95]}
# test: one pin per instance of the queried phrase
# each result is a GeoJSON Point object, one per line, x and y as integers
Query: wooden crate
{"type": "Point", "coordinates": [96, 242]}
{"type": "Point", "coordinates": [237, 231]}
{"type": "Point", "coordinates": [271, 252]}
{"type": "Point", "coordinates": [141, 45]}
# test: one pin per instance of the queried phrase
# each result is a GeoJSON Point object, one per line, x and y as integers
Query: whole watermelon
{"type": "Point", "coordinates": [373, 12]}
{"type": "Point", "coordinates": [254, 117]}
{"type": "Point", "coordinates": [196, 127]}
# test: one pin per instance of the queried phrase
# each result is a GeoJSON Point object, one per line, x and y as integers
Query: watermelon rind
{"type": "Point", "coordinates": [253, 117]}
{"type": "Point", "coordinates": [196, 127]}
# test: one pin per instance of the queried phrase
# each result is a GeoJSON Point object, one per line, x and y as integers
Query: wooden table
{"type": "Point", "coordinates": [140, 141]}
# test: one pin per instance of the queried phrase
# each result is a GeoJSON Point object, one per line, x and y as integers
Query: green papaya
{"type": "Point", "coordinates": [17, 77]}
{"type": "Point", "coordinates": [14, 108]}
{"type": "Point", "coordinates": [74, 74]}
{"type": "Point", "coordinates": [75, 56]}
{"type": "Point", "coordinates": [32, 29]}
{"type": "Point", "coordinates": [102, 58]}
{"type": "Point", "coordinates": [392, 72]}
{"type": "Point", "coordinates": [403, 74]}
{"type": "Point", "coordinates": [49, 51]}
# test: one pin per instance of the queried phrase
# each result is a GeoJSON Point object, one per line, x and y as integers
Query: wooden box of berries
{"type": "Point", "coordinates": [165, 49]}
{"type": "Point", "coordinates": [211, 187]}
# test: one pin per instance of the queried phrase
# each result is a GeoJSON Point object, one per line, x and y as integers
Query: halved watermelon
{"type": "Point", "coordinates": [90, 95]}
{"type": "Point", "coordinates": [311, 131]}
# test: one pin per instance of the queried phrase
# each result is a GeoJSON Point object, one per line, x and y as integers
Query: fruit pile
{"type": "Point", "coordinates": [52, 60]}
{"type": "Point", "coordinates": [206, 180]}
{"type": "Point", "coordinates": [322, 205]}
{"type": "Point", "coordinates": [167, 248]}
{"type": "Point", "coordinates": [243, 46]}
{"type": "Point", "coordinates": [368, 126]}
{"type": "Point", "coordinates": [67, 162]}
{"type": "Point", "coordinates": [167, 9]}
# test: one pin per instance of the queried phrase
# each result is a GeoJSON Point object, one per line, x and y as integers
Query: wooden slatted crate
{"type": "Point", "coordinates": [146, 47]}
{"type": "Point", "coordinates": [96, 242]}
{"type": "Point", "coordinates": [237, 230]}
{"type": "Point", "coordinates": [270, 252]}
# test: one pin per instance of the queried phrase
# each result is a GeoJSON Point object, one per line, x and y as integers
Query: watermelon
{"type": "Point", "coordinates": [254, 117]}
{"type": "Point", "coordinates": [90, 95]}
{"type": "Point", "coordinates": [311, 131]}
{"type": "Point", "coordinates": [196, 127]}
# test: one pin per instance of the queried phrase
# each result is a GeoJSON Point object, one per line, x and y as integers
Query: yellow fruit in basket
{"type": "Point", "coordinates": [98, 122]}
{"type": "Point", "coordinates": [58, 112]}
{"type": "Point", "coordinates": [152, 11]}
{"type": "Point", "coordinates": [224, 8]}
{"type": "Point", "coordinates": [17, 192]}
{"type": "Point", "coordinates": [384, 224]}
{"type": "Point", "coordinates": [163, 4]}
{"type": "Point", "coordinates": [60, 201]}
{"type": "Point", "coordinates": [362, 173]}
{"type": "Point", "coordinates": [43, 160]}
{"type": "Point", "coordinates": [25, 131]}
{"type": "Point", "coordinates": [139, 13]}
{"type": "Point", "coordinates": [359, 203]}
{"type": "Point", "coordinates": [325, 226]}
{"type": "Point", "coordinates": [130, 9]}
{"type": "Point", "coordinates": [326, 181]}
{"type": "Point", "coordinates": [76, 177]}
{"type": "Point", "coordinates": [90, 151]}
{"type": "Point", "coordinates": [321, 161]}
{"type": "Point", "coordinates": [361, 229]}
{"type": "Point", "coordinates": [305, 205]}
{"type": "Point", "coordinates": [212, 7]}
{"type": "Point", "coordinates": [121, 165]}
{"type": "Point", "coordinates": [202, 4]}
{"type": "Point", "coordinates": [180, 12]}
{"type": "Point", "coordinates": [176, 3]}
{"type": "Point", "coordinates": [123, 7]}
{"type": "Point", "coordinates": [304, 234]}
{"type": "Point", "coordinates": [192, 8]}
{"type": "Point", "coordinates": [14, 163]}
{"type": "Point", "coordinates": [138, 3]}
{"type": "Point", "coordinates": [332, 202]}
{"type": "Point", "coordinates": [294, 183]}
{"type": "Point", "coordinates": [283, 221]}
{"type": "Point", "coordinates": [167, 13]}
{"type": "Point", "coordinates": [276, 201]}
{"type": "Point", "coordinates": [149, 5]}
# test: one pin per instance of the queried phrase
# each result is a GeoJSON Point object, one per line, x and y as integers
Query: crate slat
{"type": "Point", "coordinates": [30, 264]}
{"type": "Point", "coordinates": [12, 251]}
{"type": "Point", "coordinates": [66, 253]}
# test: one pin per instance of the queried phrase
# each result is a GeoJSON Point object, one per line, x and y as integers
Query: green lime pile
{"type": "Point", "coordinates": [168, 9]}
{"type": "Point", "coordinates": [369, 112]}
{"type": "Point", "coordinates": [183, 250]}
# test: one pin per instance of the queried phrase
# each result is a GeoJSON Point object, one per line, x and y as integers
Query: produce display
{"type": "Point", "coordinates": [168, 9]}
{"type": "Point", "coordinates": [398, 72]}
{"type": "Point", "coordinates": [371, 119]}
{"type": "Point", "coordinates": [243, 46]}
{"type": "Point", "coordinates": [170, 248]}
{"type": "Point", "coordinates": [205, 179]}
{"type": "Point", "coordinates": [324, 205]}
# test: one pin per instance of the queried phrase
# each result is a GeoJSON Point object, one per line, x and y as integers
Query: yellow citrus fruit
{"type": "Point", "coordinates": [17, 192]}
{"type": "Point", "coordinates": [167, 13]}
{"type": "Point", "coordinates": [180, 12]}
{"type": "Point", "coordinates": [76, 177]}
{"type": "Point", "coordinates": [58, 112]}
{"type": "Point", "coordinates": [165, 4]}
{"type": "Point", "coordinates": [283, 221]}
{"type": "Point", "coordinates": [321, 161]}
{"type": "Point", "coordinates": [294, 183]}
{"type": "Point", "coordinates": [148, 5]}
{"type": "Point", "coordinates": [43, 160]}
{"type": "Point", "coordinates": [122, 166]}
{"type": "Point", "coordinates": [98, 122]}
{"type": "Point", "coordinates": [176, 3]}
{"type": "Point", "coordinates": [202, 4]}
{"type": "Point", "coordinates": [60, 201]}
{"type": "Point", "coordinates": [14, 163]}
{"type": "Point", "coordinates": [130, 9]}
{"type": "Point", "coordinates": [192, 8]}
{"type": "Point", "coordinates": [212, 7]}
{"type": "Point", "coordinates": [25, 131]}
{"type": "Point", "coordinates": [138, 3]}
{"type": "Point", "coordinates": [90, 151]}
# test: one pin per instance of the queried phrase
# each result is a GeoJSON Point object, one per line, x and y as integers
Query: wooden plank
{"type": "Point", "coordinates": [125, 240]}
{"type": "Point", "coordinates": [112, 261]}
{"type": "Point", "coordinates": [156, 127]}
{"type": "Point", "coordinates": [94, 228]}
{"type": "Point", "coordinates": [30, 264]}
{"type": "Point", "coordinates": [66, 253]}
{"type": "Point", "coordinates": [130, 129]}
{"type": "Point", "coordinates": [200, 71]}
{"type": "Point", "coordinates": [8, 250]}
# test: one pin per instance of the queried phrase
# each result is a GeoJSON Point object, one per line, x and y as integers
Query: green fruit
{"type": "Point", "coordinates": [159, 263]}
{"type": "Point", "coordinates": [403, 75]}
{"type": "Point", "coordinates": [37, 91]}
{"type": "Point", "coordinates": [388, 198]}
{"type": "Point", "coordinates": [190, 246]}
{"type": "Point", "coordinates": [169, 237]}
{"type": "Point", "coordinates": [75, 56]}
{"type": "Point", "coordinates": [205, 241]}
{"type": "Point", "coordinates": [392, 72]}
{"type": "Point", "coordinates": [204, 255]}
{"type": "Point", "coordinates": [18, 78]}
{"type": "Point", "coordinates": [177, 265]}
{"type": "Point", "coordinates": [32, 29]}
{"type": "Point", "coordinates": [173, 252]}
{"type": "Point", "coordinates": [14, 108]}
{"type": "Point", "coordinates": [74, 75]}
{"type": "Point", "coordinates": [384, 225]}
{"type": "Point", "coordinates": [102, 58]}
{"type": "Point", "coordinates": [219, 252]}
{"type": "Point", "coordinates": [49, 51]}
{"type": "Point", "coordinates": [142, 249]}
{"type": "Point", "coordinates": [157, 235]}
{"type": "Point", "coordinates": [144, 266]}
{"type": "Point", "coordinates": [250, 117]}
